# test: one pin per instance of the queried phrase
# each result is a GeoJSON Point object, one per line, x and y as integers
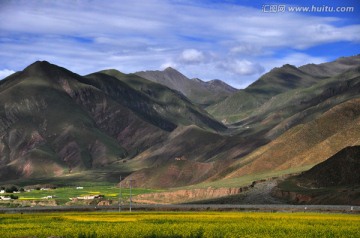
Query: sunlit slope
{"type": "Point", "coordinates": [306, 144]}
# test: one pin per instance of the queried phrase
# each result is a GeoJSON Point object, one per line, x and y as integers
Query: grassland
{"type": "Point", "coordinates": [179, 224]}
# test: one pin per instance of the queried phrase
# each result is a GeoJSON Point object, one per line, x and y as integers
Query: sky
{"type": "Point", "coordinates": [234, 41]}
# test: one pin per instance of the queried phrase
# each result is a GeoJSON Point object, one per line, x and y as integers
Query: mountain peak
{"type": "Point", "coordinates": [221, 84]}
{"type": "Point", "coordinates": [38, 66]}
{"type": "Point", "coordinates": [197, 80]}
{"type": "Point", "coordinates": [198, 91]}
{"type": "Point", "coordinates": [41, 62]}
{"type": "Point", "coordinates": [44, 68]}
{"type": "Point", "coordinates": [289, 66]}
{"type": "Point", "coordinates": [170, 69]}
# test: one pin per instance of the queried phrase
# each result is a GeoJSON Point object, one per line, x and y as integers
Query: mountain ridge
{"type": "Point", "coordinates": [198, 91]}
{"type": "Point", "coordinates": [240, 105]}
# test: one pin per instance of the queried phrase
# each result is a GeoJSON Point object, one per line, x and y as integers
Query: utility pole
{"type": "Point", "coordinates": [120, 196]}
{"type": "Point", "coordinates": [130, 192]}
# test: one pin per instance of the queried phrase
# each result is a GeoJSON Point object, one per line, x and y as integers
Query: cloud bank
{"type": "Point", "coordinates": [206, 39]}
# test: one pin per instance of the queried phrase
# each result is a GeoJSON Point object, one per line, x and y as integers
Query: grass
{"type": "Point", "coordinates": [179, 224]}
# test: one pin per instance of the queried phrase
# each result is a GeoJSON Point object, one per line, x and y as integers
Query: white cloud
{"type": "Point", "coordinates": [247, 49]}
{"type": "Point", "coordinates": [242, 67]}
{"type": "Point", "coordinates": [5, 72]}
{"type": "Point", "coordinates": [224, 41]}
{"type": "Point", "coordinates": [192, 56]}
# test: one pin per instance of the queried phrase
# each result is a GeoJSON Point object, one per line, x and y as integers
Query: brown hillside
{"type": "Point", "coordinates": [306, 144]}
{"type": "Point", "coordinates": [335, 181]}
{"type": "Point", "coordinates": [186, 157]}
{"type": "Point", "coordinates": [343, 168]}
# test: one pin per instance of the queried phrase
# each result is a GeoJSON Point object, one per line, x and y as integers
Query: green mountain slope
{"type": "Point", "coordinates": [43, 132]}
{"type": "Point", "coordinates": [243, 104]}
{"type": "Point", "coordinates": [54, 122]}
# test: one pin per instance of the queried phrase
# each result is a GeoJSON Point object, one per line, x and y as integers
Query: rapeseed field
{"type": "Point", "coordinates": [179, 224]}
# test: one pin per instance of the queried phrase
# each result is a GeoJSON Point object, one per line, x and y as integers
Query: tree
{"type": "Point", "coordinates": [12, 196]}
{"type": "Point", "coordinates": [11, 189]}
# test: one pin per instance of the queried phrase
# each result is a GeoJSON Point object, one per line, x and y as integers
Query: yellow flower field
{"type": "Point", "coordinates": [179, 224]}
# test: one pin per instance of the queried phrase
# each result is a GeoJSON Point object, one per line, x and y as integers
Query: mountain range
{"type": "Point", "coordinates": [165, 130]}
{"type": "Point", "coordinates": [198, 91]}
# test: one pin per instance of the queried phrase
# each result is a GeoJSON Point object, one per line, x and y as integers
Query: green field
{"type": "Point", "coordinates": [63, 194]}
{"type": "Point", "coordinates": [179, 224]}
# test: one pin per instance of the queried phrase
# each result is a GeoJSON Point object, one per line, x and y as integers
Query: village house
{"type": "Point", "coordinates": [5, 198]}
{"type": "Point", "coordinates": [88, 197]}
{"type": "Point", "coordinates": [49, 197]}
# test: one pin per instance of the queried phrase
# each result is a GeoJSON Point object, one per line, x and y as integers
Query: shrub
{"type": "Point", "coordinates": [12, 196]}
{"type": "Point", "coordinates": [11, 189]}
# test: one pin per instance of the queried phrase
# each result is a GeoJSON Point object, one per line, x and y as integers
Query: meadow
{"type": "Point", "coordinates": [179, 224]}
{"type": "Point", "coordinates": [63, 194]}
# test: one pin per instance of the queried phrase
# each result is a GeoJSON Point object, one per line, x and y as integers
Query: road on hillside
{"type": "Point", "coordinates": [195, 207]}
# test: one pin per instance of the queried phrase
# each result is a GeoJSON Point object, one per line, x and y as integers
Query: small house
{"type": "Point", "coordinates": [5, 198]}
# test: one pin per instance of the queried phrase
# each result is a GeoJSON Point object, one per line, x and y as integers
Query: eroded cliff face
{"type": "Point", "coordinates": [293, 197]}
{"type": "Point", "coordinates": [187, 195]}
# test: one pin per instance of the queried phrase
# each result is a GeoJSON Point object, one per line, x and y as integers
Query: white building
{"type": "Point", "coordinates": [49, 197]}
{"type": "Point", "coordinates": [5, 198]}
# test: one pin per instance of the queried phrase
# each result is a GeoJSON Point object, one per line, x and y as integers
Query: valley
{"type": "Point", "coordinates": [163, 131]}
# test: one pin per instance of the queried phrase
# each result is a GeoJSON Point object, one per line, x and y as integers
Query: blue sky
{"type": "Point", "coordinates": [235, 41]}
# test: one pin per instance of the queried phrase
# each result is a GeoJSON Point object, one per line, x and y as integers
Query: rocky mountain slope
{"type": "Point", "coordinates": [198, 91]}
{"type": "Point", "coordinates": [54, 122]}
